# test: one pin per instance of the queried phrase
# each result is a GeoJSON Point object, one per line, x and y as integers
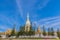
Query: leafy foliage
{"type": "Point", "coordinates": [22, 32]}
{"type": "Point", "coordinates": [58, 33]}
{"type": "Point", "coordinates": [52, 31]}
{"type": "Point", "coordinates": [13, 33]}
{"type": "Point", "coordinates": [44, 31]}
{"type": "Point", "coordinates": [49, 31]}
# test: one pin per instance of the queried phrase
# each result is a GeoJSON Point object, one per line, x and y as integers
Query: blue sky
{"type": "Point", "coordinates": [42, 12]}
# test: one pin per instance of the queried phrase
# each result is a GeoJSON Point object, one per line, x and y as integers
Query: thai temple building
{"type": "Point", "coordinates": [38, 30]}
{"type": "Point", "coordinates": [27, 25]}
{"type": "Point", "coordinates": [8, 32]}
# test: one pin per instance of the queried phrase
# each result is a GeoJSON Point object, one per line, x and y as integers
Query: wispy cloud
{"type": "Point", "coordinates": [4, 28]}
{"type": "Point", "coordinates": [43, 4]}
{"type": "Point", "coordinates": [19, 5]}
{"type": "Point", "coordinates": [7, 22]}
{"type": "Point", "coordinates": [49, 22]}
{"type": "Point", "coordinates": [7, 19]}
{"type": "Point", "coordinates": [30, 5]}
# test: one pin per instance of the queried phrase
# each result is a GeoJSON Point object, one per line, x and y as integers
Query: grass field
{"type": "Point", "coordinates": [29, 39]}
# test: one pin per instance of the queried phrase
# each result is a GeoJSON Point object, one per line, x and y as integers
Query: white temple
{"type": "Point", "coordinates": [27, 26]}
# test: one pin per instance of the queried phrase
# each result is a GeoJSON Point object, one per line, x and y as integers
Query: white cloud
{"type": "Point", "coordinates": [3, 28]}
{"type": "Point", "coordinates": [49, 19]}
{"type": "Point", "coordinates": [7, 22]}
{"type": "Point", "coordinates": [18, 2]}
{"type": "Point", "coordinates": [30, 4]}
{"type": "Point", "coordinates": [7, 19]}
{"type": "Point", "coordinates": [43, 4]}
{"type": "Point", "coordinates": [49, 22]}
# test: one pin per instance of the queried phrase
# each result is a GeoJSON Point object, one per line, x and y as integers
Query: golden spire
{"type": "Point", "coordinates": [27, 16]}
{"type": "Point", "coordinates": [38, 30]}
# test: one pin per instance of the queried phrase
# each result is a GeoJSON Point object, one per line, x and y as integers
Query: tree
{"type": "Point", "coordinates": [21, 31]}
{"type": "Point", "coordinates": [52, 31]}
{"type": "Point", "coordinates": [13, 32]}
{"type": "Point", "coordinates": [44, 31]}
{"type": "Point", "coordinates": [58, 33]}
{"type": "Point", "coordinates": [31, 32]}
{"type": "Point", "coordinates": [49, 31]}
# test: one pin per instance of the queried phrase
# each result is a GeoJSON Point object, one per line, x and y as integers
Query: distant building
{"type": "Point", "coordinates": [8, 32]}
{"type": "Point", "coordinates": [2, 33]}
{"type": "Point", "coordinates": [38, 30]}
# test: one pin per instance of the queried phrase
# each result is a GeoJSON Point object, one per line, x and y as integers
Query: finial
{"type": "Point", "coordinates": [38, 26]}
{"type": "Point", "coordinates": [28, 15]}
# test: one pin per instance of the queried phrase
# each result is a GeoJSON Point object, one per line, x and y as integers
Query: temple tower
{"type": "Point", "coordinates": [27, 25]}
{"type": "Point", "coordinates": [38, 30]}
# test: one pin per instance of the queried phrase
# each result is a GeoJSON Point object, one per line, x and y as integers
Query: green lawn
{"type": "Point", "coordinates": [29, 39]}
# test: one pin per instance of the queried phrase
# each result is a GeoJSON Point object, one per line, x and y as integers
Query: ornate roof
{"type": "Point", "coordinates": [28, 21]}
